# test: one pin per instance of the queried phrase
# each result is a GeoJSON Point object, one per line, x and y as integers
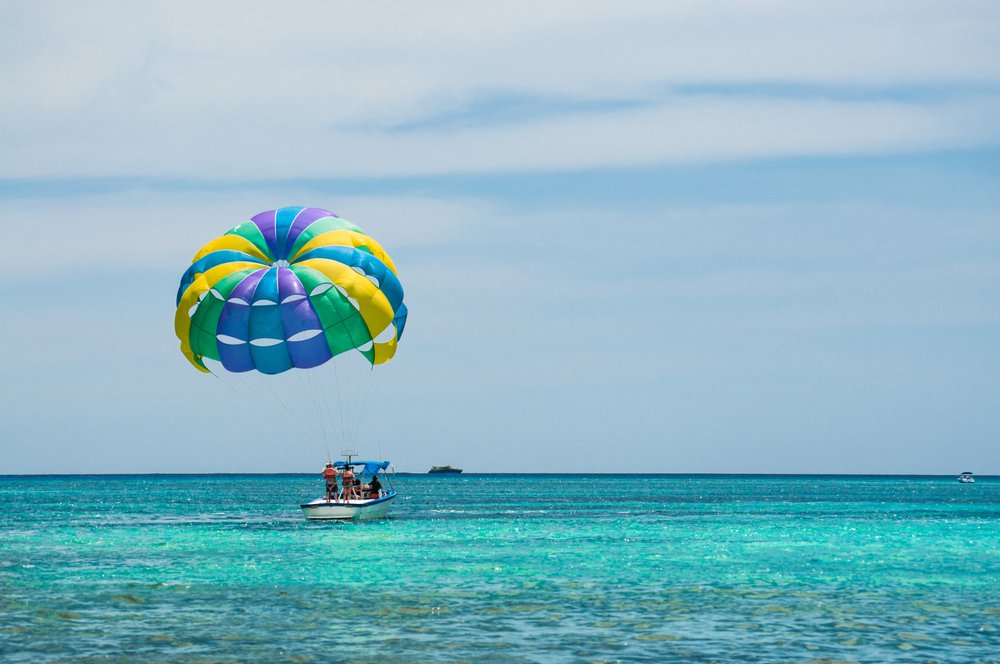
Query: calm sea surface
{"type": "Point", "coordinates": [502, 568]}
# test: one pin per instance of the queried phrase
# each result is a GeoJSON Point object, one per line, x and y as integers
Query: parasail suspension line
{"type": "Point", "coordinates": [340, 403]}
{"type": "Point", "coordinates": [316, 417]}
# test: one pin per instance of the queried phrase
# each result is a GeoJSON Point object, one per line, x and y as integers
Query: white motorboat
{"type": "Point", "coordinates": [373, 503]}
{"type": "Point", "coordinates": [966, 478]}
{"type": "Point", "coordinates": [372, 508]}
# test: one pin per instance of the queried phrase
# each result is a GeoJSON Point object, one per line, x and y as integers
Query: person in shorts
{"type": "Point", "coordinates": [347, 479]}
{"type": "Point", "coordinates": [330, 476]}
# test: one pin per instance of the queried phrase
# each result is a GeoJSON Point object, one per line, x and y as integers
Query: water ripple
{"type": "Point", "coordinates": [693, 569]}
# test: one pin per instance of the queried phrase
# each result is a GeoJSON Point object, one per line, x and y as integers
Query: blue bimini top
{"type": "Point", "coordinates": [371, 467]}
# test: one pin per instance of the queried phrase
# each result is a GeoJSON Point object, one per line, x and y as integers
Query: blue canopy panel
{"type": "Point", "coordinates": [371, 467]}
{"type": "Point", "coordinates": [211, 260]}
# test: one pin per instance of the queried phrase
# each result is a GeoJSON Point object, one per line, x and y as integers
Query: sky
{"type": "Point", "coordinates": [676, 237]}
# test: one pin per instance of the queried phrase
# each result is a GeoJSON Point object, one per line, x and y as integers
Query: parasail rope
{"type": "Point", "coordinates": [249, 389]}
{"type": "Point", "coordinates": [321, 390]}
{"type": "Point", "coordinates": [316, 418]}
{"type": "Point", "coordinates": [335, 424]}
{"type": "Point", "coordinates": [315, 391]}
{"type": "Point", "coordinates": [291, 416]}
{"type": "Point", "coordinates": [371, 386]}
{"type": "Point", "coordinates": [340, 401]}
{"type": "Point", "coordinates": [316, 399]}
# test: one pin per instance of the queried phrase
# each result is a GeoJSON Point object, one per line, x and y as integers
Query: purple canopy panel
{"type": "Point", "coordinates": [303, 329]}
{"type": "Point", "coordinates": [233, 331]}
{"type": "Point", "coordinates": [265, 222]}
{"type": "Point", "coordinates": [302, 222]}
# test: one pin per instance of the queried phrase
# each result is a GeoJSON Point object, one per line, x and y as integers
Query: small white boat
{"type": "Point", "coordinates": [374, 502]}
{"type": "Point", "coordinates": [966, 478]}
{"type": "Point", "coordinates": [371, 508]}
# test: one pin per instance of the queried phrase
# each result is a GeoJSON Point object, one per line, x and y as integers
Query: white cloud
{"type": "Point", "coordinates": [154, 231]}
{"type": "Point", "coordinates": [314, 89]}
{"type": "Point", "coordinates": [553, 330]}
{"type": "Point", "coordinates": [571, 325]}
{"type": "Point", "coordinates": [701, 129]}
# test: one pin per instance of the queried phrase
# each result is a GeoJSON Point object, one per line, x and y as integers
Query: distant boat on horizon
{"type": "Point", "coordinates": [444, 470]}
{"type": "Point", "coordinates": [966, 478]}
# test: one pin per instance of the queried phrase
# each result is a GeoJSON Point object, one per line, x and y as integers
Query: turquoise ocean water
{"type": "Point", "coordinates": [502, 568]}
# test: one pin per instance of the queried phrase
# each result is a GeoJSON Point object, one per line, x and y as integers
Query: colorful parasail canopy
{"type": "Point", "coordinates": [292, 287]}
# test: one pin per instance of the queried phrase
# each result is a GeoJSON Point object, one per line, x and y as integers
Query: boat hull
{"type": "Point", "coordinates": [321, 510]}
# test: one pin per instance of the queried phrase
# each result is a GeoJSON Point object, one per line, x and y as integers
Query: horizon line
{"type": "Point", "coordinates": [467, 474]}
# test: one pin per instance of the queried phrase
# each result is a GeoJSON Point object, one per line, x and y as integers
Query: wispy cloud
{"type": "Point", "coordinates": [596, 240]}
{"type": "Point", "coordinates": [243, 90]}
{"type": "Point", "coordinates": [142, 231]}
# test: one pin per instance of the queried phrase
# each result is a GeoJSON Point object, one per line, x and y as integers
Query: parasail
{"type": "Point", "coordinates": [290, 288]}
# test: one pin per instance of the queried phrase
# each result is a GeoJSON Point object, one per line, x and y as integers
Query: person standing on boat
{"type": "Point", "coordinates": [330, 476]}
{"type": "Point", "coordinates": [347, 479]}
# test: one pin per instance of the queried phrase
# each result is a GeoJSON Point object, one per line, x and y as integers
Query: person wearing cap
{"type": "Point", "coordinates": [330, 475]}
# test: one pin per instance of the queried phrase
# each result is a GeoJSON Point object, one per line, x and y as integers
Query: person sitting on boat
{"type": "Point", "coordinates": [347, 479]}
{"type": "Point", "coordinates": [374, 487]}
{"type": "Point", "coordinates": [330, 476]}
